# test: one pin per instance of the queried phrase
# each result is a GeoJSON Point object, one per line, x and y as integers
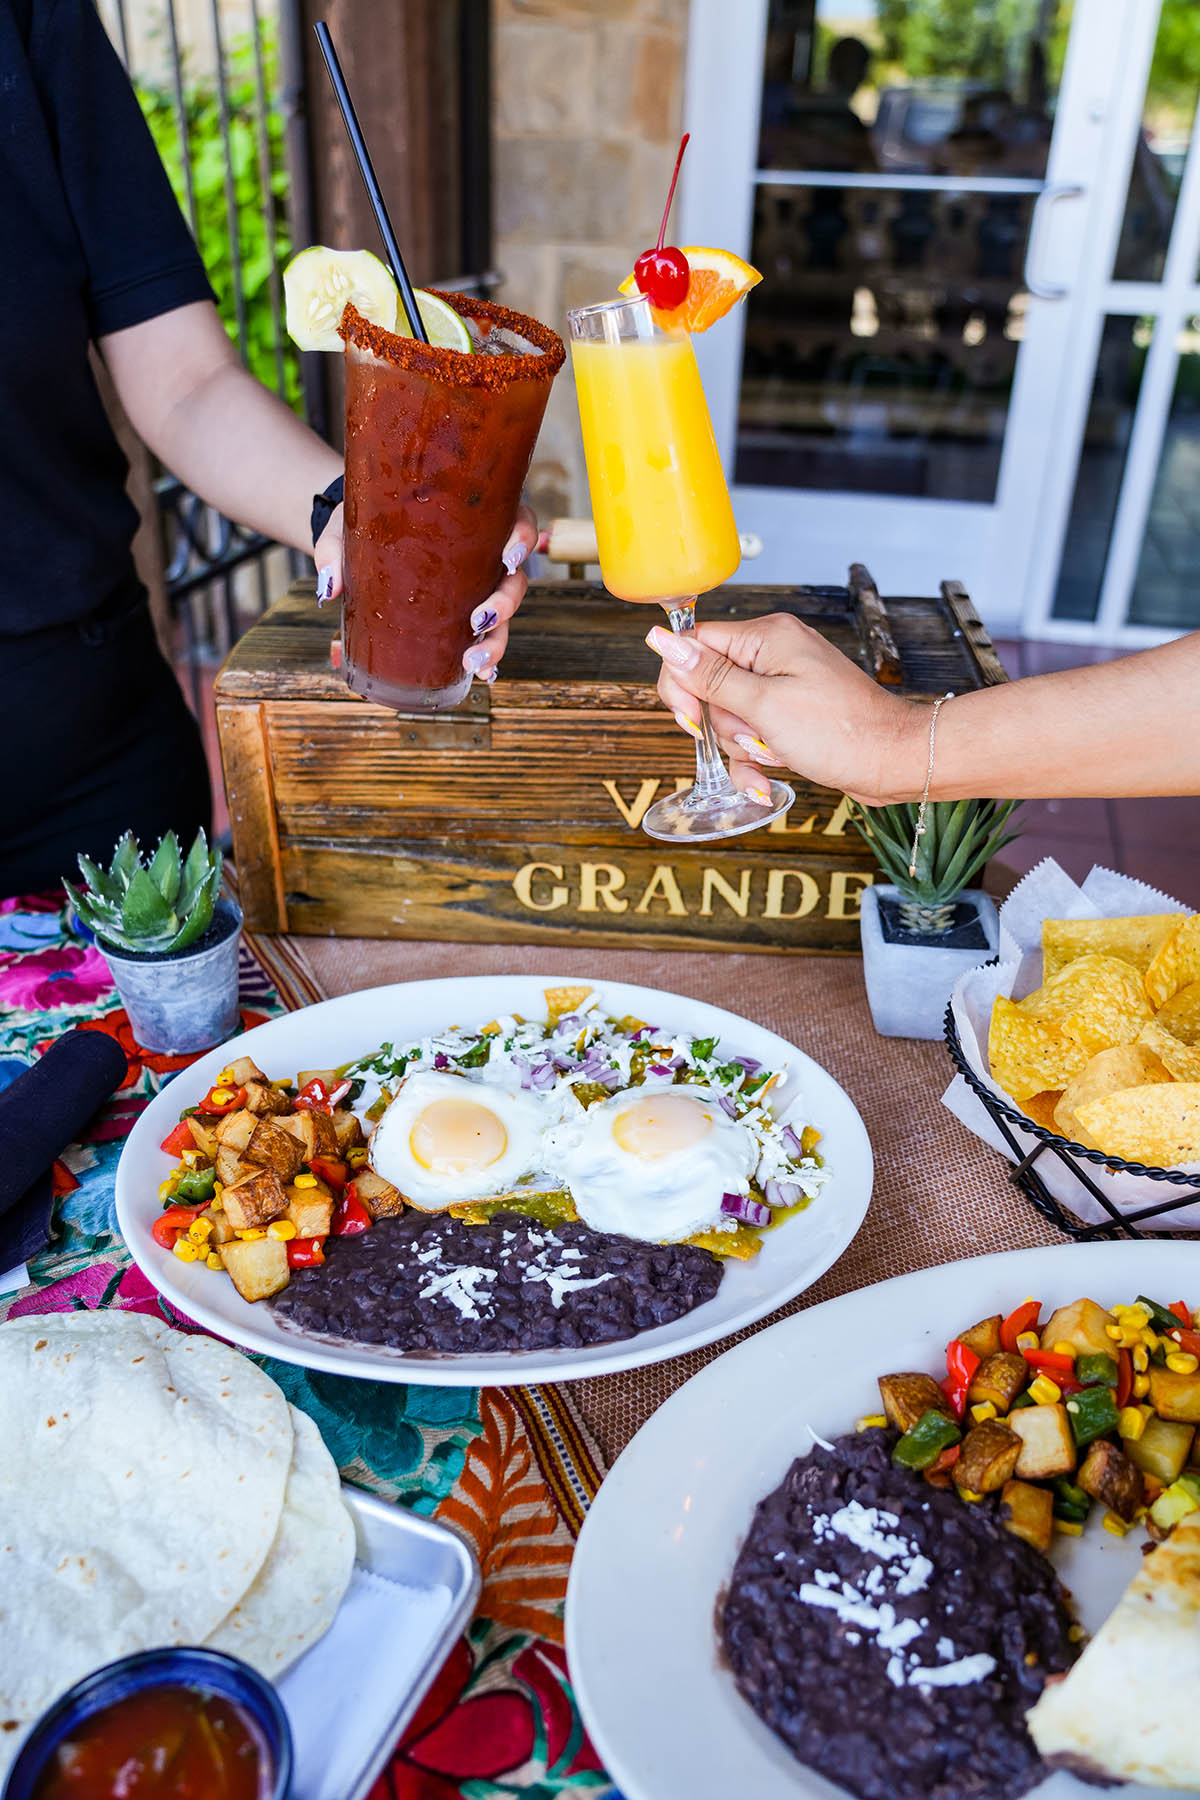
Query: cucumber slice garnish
{"type": "Point", "coordinates": [318, 283]}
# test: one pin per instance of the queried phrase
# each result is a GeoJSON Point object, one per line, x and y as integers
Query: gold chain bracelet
{"type": "Point", "coordinates": [919, 833]}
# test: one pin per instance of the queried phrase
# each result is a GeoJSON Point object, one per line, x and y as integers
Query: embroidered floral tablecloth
{"type": "Point", "coordinates": [512, 1470]}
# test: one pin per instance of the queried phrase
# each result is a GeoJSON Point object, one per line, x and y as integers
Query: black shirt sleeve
{"type": "Point", "coordinates": [141, 258]}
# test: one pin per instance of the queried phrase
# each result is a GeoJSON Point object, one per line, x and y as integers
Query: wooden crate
{"type": "Point", "coordinates": [516, 817]}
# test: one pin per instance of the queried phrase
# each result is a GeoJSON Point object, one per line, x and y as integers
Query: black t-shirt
{"type": "Point", "coordinates": [91, 241]}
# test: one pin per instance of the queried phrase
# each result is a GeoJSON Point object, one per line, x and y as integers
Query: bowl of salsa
{"type": "Point", "coordinates": [171, 1724]}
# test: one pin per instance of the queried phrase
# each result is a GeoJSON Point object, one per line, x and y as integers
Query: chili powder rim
{"type": "Point", "coordinates": [455, 367]}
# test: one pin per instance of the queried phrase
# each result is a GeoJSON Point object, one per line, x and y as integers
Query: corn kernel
{"type": "Point", "coordinates": [984, 1410]}
{"type": "Point", "coordinates": [1069, 1527]}
{"type": "Point", "coordinates": [1141, 1386]}
{"type": "Point", "coordinates": [190, 1158]}
{"type": "Point", "coordinates": [1063, 1348]}
{"type": "Point", "coordinates": [281, 1228]}
{"type": "Point", "coordinates": [305, 1181]}
{"type": "Point", "coordinates": [1044, 1391]}
{"type": "Point", "coordinates": [225, 1078]}
{"type": "Point", "coordinates": [1131, 1422]}
{"type": "Point", "coordinates": [965, 1493]}
{"type": "Point", "coordinates": [167, 1189]}
{"type": "Point", "coordinates": [213, 1261]}
{"type": "Point", "coordinates": [1137, 1315]}
{"type": "Point", "coordinates": [870, 1420]}
{"type": "Point", "coordinates": [1030, 1659]}
{"type": "Point", "coordinates": [248, 1236]}
{"type": "Point", "coordinates": [1141, 1359]}
{"type": "Point", "coordinates": [1118, 1312]}
{"type": "Point", "coordinates": [1183, 1363]}
{"type": "Point", "coordinates": [1114, 1523]}
{"type": "Point", "coordinates": [1028, 1340]}
{"type": "Point", "coordinates": [357, 1157]}
{"type": "Point", "coordinates": [218, 1189]}
{"type": "Point", "coordinates": [1076, 1633]}
{"type": "Point", "coordinates": [185, 1250]}
{"type": "Point", "coordinates": [1114, 1331]}
{"type": "Point", "coordinates": [199, 1230]}
{"type": "Point", "coordinates": [1151, 1339]}
{"type": "Point", "coordinates": [221, 1096]}
{"type": "Point", "coordinates": [1130, 1335]}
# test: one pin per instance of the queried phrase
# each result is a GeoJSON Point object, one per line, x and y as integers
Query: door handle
{"type": "Point", "coordinates": [1050, 194]}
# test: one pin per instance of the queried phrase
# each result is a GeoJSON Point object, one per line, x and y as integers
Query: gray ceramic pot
{"type": "Point", "coordinates": [909, 982]}
{"type": "Point", "coordinates": [188, 1001]}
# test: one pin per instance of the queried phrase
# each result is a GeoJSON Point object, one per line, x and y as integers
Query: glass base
{"type": "Point", "coordinates": [405, 698]}
{"type": "Point", "coordinates": [694, 817]}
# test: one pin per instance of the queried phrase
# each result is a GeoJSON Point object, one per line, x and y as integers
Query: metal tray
{"type": "Point", "coordinates": [351, 1697]}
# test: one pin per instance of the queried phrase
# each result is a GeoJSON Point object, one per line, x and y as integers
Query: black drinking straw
{"type": "Point", "coordinates": [366, 169]}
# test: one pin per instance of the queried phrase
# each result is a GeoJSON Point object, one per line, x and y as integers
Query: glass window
{"type": "Point", "coordinates": [1166, 589]}
{"type": "Point", "coordinates": [1168, 111]}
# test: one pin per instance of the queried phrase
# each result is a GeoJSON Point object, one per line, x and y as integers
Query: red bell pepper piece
{"type": "Point", "coordinates": [1187, 1340]}
{"type": "Point", "coordinates": [305, 1253]}
{"type": "Point", "coordinates": [1124, 1378]}
{"type": "Point", "coordinates": [961, 1364]}
{"type": "Point", "coordinates": [1054, 1362]}
{"type": "Point", "coordinates": [1181, 1313]}
{"type": "Point", "coordinates": [180, 1139]}
{"type": "Point", "coordinates": [313, 1097]}
{"type": "Point", "coordinates": [209, 1105]}
{"type": "Point", "coordinates": [1024, 1318]}
{"type": "Point", "coordinates": [331, 1170]}
{"type": "Point", "coordinates": [172, 1224]}
{"type": "Point", "coordinates": [350, 1216]}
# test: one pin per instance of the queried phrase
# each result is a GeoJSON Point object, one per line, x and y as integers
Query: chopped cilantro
{"type": "Point", "coordinates": [702, 1048]}
{"type": "Point", "coordinates": [476, 1056]}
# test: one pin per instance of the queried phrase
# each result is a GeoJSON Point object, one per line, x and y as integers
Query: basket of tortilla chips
{"type": "Point", "coordinates": [1080, 1049]}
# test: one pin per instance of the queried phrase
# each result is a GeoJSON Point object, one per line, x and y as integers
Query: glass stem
{"type": "Point", "coordinates": [712, 777]}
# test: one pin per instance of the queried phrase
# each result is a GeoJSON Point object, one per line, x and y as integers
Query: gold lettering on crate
{"type": "Point", "coordinates": [523, 887]}
{"type": "Point", "coordinates": [634, 811]}
{"type": "Point", "coordinates": [839, 818]}
{"type": "Point", "coordinates": [738, 898]}
{"type": "Point", "coordinates": [601, 881]}
{"type": "Point", "coordinates": [806, 902]}
{"type": "Point", "coordinates": [845, 903]}
{"type": "Point", "coordinates": [663, 886]}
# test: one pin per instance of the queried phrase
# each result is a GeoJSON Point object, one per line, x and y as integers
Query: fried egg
{"type": "Point", "coordinates": [653, 1163]}
{"type": "Point", "coordinates": [444, 1138]}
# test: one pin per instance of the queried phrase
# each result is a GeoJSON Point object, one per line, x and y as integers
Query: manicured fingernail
{"type": "Point", "coordinates": [690, 725]}
{"type": "Point", "coordinates": [477, 659]}
{"type": "Point", "coordinates": [761, 796]}
{"type": "Point", "coordinates": [483, 618]}
{"type": "Point", "coordinates": [756, 748]}
{"type": "Point", "coordinates": [488, 675]}
{"type": "Point", "coordinates": [324, 586]}
{"type": "Point", "coordinates": [514, 556]}
{"type": "Point", "coordinates": [679, 651]}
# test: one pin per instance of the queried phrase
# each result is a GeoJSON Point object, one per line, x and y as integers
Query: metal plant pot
{"type": "Point", "coordinates": [909, 974]}
{"type": "Point", "coordinates": [187, 1001]}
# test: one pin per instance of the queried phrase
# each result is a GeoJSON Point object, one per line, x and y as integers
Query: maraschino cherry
{"type": "Point", "coordinates": [662, 274]}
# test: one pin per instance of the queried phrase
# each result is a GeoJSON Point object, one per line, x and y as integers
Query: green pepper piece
{"type": "Point", "coordinates": [196, 1187]}
{"type": "Point", "coordinates": [924, 1442]}
{"type": "Point", "coordinates": [1092, 1413]}
{"type": "Point", "coordinates": [1025, 1399]}
{"type": "Point", "coordinates": [1070, 1502]}
{"type": "Point", "coordinates": [1161, 1317]}
{"type": "Point", "coordinates": [1097, 1369]}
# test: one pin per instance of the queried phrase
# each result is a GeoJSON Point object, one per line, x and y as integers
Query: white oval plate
{"type": "Point", "coordinates": [662, 1536]}
{"type": "Point", "coordinates": [336, 1031]}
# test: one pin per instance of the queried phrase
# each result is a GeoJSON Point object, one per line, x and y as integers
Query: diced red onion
{"type": "Point", "coordinates": [441, 1060]}
{"type": "Point", "coordinates": [741, 1206]}
{"type": "Point", "coordinates": [661, 1069]}
{"type": "Point", "coordinates": [524, 1069]}
{"type": "Point", "coordinates": [641, 1032]}
{"type": "Point", "coordinates": [792, 1141]}
{"type": "Point", "coordinates": [569, 1022]}
{"type": "Point", "coordinates": [543, 1076]}
{"type": "Point", "coordinates": [748, 1063]}
{"type": "Point", "coordinates": [727, 1106]}
{"type": "Point", "coordinates": [782, 1193]}
{"type": "Point", "coordinates": [565, 1064]}
{"type": "Point", "coordinates": [678, 1062]}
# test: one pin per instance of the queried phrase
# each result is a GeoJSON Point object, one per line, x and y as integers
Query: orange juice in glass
{"type": "Point", "coordinates": [664, 526]}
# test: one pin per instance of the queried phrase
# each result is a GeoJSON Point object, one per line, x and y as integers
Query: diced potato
{"type": "Point", "coordinates": [204, 1137]}
{"type": "Point", "coordinates": [231, 1169]}
{"type": "Point", "coordinates": [999, 1378]}
{"type": "Point", "coordinates": [258, 1267]}
{"type": "Point", "coordinates": [1108, 1475]}
{"type": "Point", "coordinates": [242, 1070]}
{"type": "Point", "coordinates": [222, 1230]}
{"type": "Point", "coordinates": [1031, 1513]}
{"type": "Point", "coordinates": [273, 1148]}
{"type": "Point", "coordinates": [265, 1101]}
{"type": "Point", "coordinates": [984, 1338]}
{"type": "Point", "coordinates": [1175, 1397]}
{"type": "Point", "coordinates": [1047, 1443]}
{"type": "Point", "coordinates": [310, 1212]}
{"type": "Point", "coordinates": [313, 1131]}
{"type": "Point", "coordinates": [236, 1129]}
{"type": "Point", "coordinates": [988, 1457]}
{"type": "Point", "coordinates": [382, 1200]}
{"type": "Point", "coordinates": [255, 1202]}
{"type": "Point", "coordinates": [330, 1077]}
{"type": "Point", "coordinates": [905, 1397]}
{"type": "Point", "coordinates": [1162, 1450]}
{"type": "Point", "coordinates": [1083, 1324]}
{"type": "Point", "coordinates": [347, 1130]}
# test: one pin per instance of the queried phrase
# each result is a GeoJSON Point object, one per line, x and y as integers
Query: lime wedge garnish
{"type": "Point", "coordinates": [318, 283]}
{"type": "Point", "coordinates": [442, 323]}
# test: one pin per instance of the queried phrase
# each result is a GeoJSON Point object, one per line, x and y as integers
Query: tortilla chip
{"type": "Point", "coordinates": [1040, 1108]}
{"type": "Point", "coordinates": [1029, 1055]}
{"type": "Point", "coordinates": [1158, 1126]}
{"type": "Point", "coordinates": [1181, 1014]}
{"type": "Point", "coordinates": [1110, 1072]}
{"type": "Point", "coordinates": [1134, 940]}
{"type": "Point", "coordinates": [563, 1000]}
{"type": "Point", "coordinates": [1064, 993]}
{"type": "Point", "coordinates": [1181, 1061]}
{"type": "Point", "coordinates": [1176, 964]}
{"type": "Point", "coordinates": [1113, 1013]}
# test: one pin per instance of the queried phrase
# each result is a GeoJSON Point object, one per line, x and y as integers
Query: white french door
{"type": "Point", "coordinates": [908, 385]}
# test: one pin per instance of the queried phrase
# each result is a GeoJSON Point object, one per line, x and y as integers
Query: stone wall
{"type": "Point", "coordinates": [586, 105]}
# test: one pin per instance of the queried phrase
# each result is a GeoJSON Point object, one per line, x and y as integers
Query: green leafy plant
{"type": "Point", "coordinates": [261, 251]}
{"type": "Point", "coordinates": [958, 838]}
{"type": "Point", "coordinates": [150, 908]}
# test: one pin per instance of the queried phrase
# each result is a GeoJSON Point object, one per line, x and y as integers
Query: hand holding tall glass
{"type": "Point", "coordinates": [664, 526]}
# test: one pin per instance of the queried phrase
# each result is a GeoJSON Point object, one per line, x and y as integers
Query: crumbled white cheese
{"type": "Point", "coordinates": [460, 1287]}
{"type": "Point", "coordinates": [963, 1673]}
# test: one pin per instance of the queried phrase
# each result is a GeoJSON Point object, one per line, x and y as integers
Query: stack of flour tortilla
{"type": "Point", "coordinates": [155, 1488]}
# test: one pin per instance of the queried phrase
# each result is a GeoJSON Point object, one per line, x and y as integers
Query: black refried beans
{"type": "Point", "coordinates": [858, 1583]}
{"type": "Point", "coordinates": [427, 1282]}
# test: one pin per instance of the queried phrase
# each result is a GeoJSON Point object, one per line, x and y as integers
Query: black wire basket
{"type": "Point", "coordinates": [1075, 1157]}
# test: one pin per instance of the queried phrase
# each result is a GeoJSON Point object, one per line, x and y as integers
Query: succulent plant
{"type": "Point", "coordinates": [152, 908]}
{"type": "Point", "coordinates": [957, 839]}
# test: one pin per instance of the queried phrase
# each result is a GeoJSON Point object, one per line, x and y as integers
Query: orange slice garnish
{"type": "Point", "coordinates": [719, 279]}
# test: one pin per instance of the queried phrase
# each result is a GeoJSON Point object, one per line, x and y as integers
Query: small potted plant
{"type": "Point", "coordinates": [923, 929]}
{"type": "Point", "coordinates": [170, 939]}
